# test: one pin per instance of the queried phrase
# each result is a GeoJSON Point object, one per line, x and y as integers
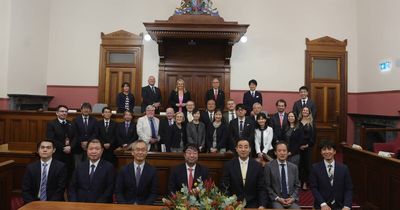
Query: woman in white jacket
{"type": "Point", "coordinates": [263, 138]}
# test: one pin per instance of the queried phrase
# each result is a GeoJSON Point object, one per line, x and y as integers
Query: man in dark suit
{"type": "Point", "coordinates": [165, 127]}
{"type": "Point", "coordinates": [137, 182]}
{"type": "Point", "coordinates": [282, 180]}
{"type": "Point", "coordinates": [216, 94]}
{"type": "Point", "coordinates": [244, 177]}
{"type": "Point", "coordinates": [230, 114]}
{"type": "Point", "coordinates": [85, 129]}
{"type": "Point", "coordinates": [278, 121]}
{"type": "Point", "coordinates": [187, 173]}
{"type": "Point", "coordinates": [106, 133]}
{"type": "Point", "coordinates": [330, 181]}
{"type": "Point", "coordinates": [126, 131]}
{"type": "Point", "coordinates": [151, 95]}
{"type": "Point", "coordinates": [252, 96]}
{"type": "Point", "coordinates": [60, 131]}
{"type": "Point", "coordinates": [304, 101]}
{"type": "Point", "coordinates": [240, 128]}
{"type": "Point", "coordinates": [93, 179]}
{"type": "Point", "coordinates": [44, 179]}
{"type": "Point", "coordinates": [207, 116]}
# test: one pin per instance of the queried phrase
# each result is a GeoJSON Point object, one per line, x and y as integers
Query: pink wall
{"type": "Point", "coordinates": [72, 96]}
{"type": "Point", "coordinates": [269, 98]}
{"type": "Point", "coordinates": [4, 103]}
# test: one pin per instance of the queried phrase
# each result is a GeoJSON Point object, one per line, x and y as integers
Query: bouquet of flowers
{"type": "Point", "coordinates": [204, 196]}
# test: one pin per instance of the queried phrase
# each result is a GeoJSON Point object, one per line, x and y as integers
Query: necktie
{"type": "Point", "coordinates": [138, 174]}
{"type": "Point", "coordinates": [153, 129]}
{"type": "Point", "coordinates": [240, 128]}
{"type": "Point", "coordinates": [232, 116]}
{"type": "Point", "coordinates": [330, 174]}
{"type": "Point", "coordinates": [283, 182]}
{"type": "Point", "coordinates": [252, 94]}
{"type": "Point", "coordinates": [152, 89]}
{"type": "Point", "coordinates": [126, 128]}
{"type": "Point", "coordinates": [281, 118]}
{"type": "Point", "coordinates": [304, 103]}
{"type": "Point", "coordinates": [215, 95]}
{"type": "Point", "coordinates": [190, 181]}
{"type": "Point", "coordinates": [169, 122]}
{"type": "Point", "coordinates": [262, 141]}
{"type": "Point", "coordinates": [43, 184]}
{"type": "Point", "coordinates": [243, 169]}
{"type": "Point", "coordinates": [211, 117]}
{"type": "Point", "coordinates": [85, 122]}
{"type": "Point", "coordinates": [91, 174]}
{"type": "Point", "coordinates": [106, 126]}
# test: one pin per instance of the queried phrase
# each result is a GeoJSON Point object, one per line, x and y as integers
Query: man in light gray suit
{"type": "Point", "coordinates": [147, 129]}
{"type": "Point", "coordinates": [282, 180]}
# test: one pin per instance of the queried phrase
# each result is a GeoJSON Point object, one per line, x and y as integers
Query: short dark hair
{"type": "Point", "coordinates": [195, 110]}
{"type": "Point", "coordinates": [125, 84]}
{"type": "Point", "coordinates": [240, 106]}
{"type": "Point", "coordinates": [237, 142]}
{"type": "Point", "coordinates": [94, 141]}
{"type": "Point", "coordinates": [105, 108]}
{"type": "Point", "coordinates": [303, 88]}
{"type": "Point", "coordinates": [280, 101]}
{"type": "Point", "coordinates": [253, 81]}
{"type": "Point", "coordinates": [45, 140]}
{"type": "Point", "coordinates": [327, 144]}
{"type": "Point", "coordinates": [192, 147]}
{"type": "Point", "coordinates": [128, 112]}
{"type": "Point", "coordinates": [86, 105]}
{"type": "Point", "coordinates": [62, 106]}
{"type": "Point", "coordinates": [280, 142]}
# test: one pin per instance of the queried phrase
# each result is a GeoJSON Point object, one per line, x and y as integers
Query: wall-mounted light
{"type": "Point", "coordinates": [147, 37]}
{"type": "Point", "coordinates": [243, 39]}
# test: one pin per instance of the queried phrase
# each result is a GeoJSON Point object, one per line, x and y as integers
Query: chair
{"type": "Point", "coordinates": [391, 146]}
{"type": "Point", "coordinates": [97, 108]}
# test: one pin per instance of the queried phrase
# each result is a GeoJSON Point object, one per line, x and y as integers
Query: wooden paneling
{"type": "Point", "coordinates": [6, 180]}
{"type": "Point", "coordinates": [47, 205]}
{"type": "Point", "coordinates": [376, 180]}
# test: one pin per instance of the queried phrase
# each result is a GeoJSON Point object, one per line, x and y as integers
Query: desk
{"type": "Point", "coordinates": [163, 162]}
{"type": "Point", "coordinates": [47, 205]}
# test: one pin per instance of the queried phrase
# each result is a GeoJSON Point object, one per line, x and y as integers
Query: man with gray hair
{"type": "Point", "coordinates": [147, 128]}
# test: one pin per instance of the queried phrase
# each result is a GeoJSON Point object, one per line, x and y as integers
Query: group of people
{"type": "Point", "coordinates": [243, 129]}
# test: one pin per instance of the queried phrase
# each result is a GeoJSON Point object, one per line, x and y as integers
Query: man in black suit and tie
{"type": "Point", "coordinates": [85, 129]}
{"type": "Point", "coordinates": [330, 181]}
{"type": "Point", "coordinates": [106, 133]}
{"type": "Point", "coordinates": [240, 128]}
{"type": "Point", "coordinates": [207, 117]}
{"type": "Point", "coordinates": [282, 180]}
{"type": "Point", "coordinates": [60, 131]}
{"type": "Point", "coordinates": [187, 173]}
{"type": "Point", "coordinates": [244, 177]}
{"type": "Point", "coordinates": [165, 127]}
{"type": "Point", "coordinates": [126, 131]}
{"type": "Point", "coordinates": [44, 179]}
{"type": "Point", "coordinates": [252, 96]}
{"type": "Point", "coordinates": [137, 182]}
{"type": "Point", "coordinates": [151, 95]}
{"type": "Point", "coordinates": [216, 94]}
{"type": "Point", "coordinates": [93, 179]}
{"type": "Point", "coordinates": [230, 114]}
{"type": "Point", "coordinates": [304, 101]}
{"type": "Point", "coordinates": [278, 121]}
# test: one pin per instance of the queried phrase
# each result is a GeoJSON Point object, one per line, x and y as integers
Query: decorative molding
{"type": "Point", "coordinates": [326, 44]}
{"type": "Point", "coordinates": [123, 36]}
{"type": "Point", "coordinates": [375, 92]}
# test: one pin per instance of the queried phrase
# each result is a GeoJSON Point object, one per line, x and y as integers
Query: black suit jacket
{"type": "Point", "coordinates": [254, 191]}
{"type": "Point", "coordinates": [295, 140]}
{"type": "Point", "coordinates": [126, 138]}
{"type": "Point", "coordinates": [58, 133]}
{"type": "Point", "coordinates": [205, 117]}
{"type": "Point", "coordinates": [107, 136]}
{"type": "Point", "coordinates": [149, 97]}
{"type": "Point", "coordinates": [341, 191]}
{"type": "Point", "coordinates": [220, 102]}
{"type": "Point", "coordinates": [297, 106]}
{"type": "Point", "coordinates": [234, 135]}
{"type": "Point", "coordinates": [100, 190]}
{"type": "Point", "coordinates": [121, 102]}
{"type": "Point", "coordinates": [82, 134]}
{"type": "Point", "coordinates": [176, 136]}
{"type": "Point", "coordinates": [56, 180]}
{"type": "Point", "coordinates": [164, 131]}
{"type": "Point", "coordinates": [279, 132]}
{"type": "Point", "coordinates": [222, 136]}
{"type": "Point", "coordinates": [249, 100]}
{"type": "Point", "coordinates": [178, 176]}
{"type": "Point", "coordinates": [174, 99]}
{"type": "Point", "coordinates": [126, 190]}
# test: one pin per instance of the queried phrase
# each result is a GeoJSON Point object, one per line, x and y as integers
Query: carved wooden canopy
{"type": "Point", "coordinates": [326, 43]}
{"type": "Point", "coordinates": [196, 27]}
{"type": "Point", "coordinates": [121, 37]}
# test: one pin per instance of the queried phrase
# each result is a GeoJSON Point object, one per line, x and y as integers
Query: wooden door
{"type": "Point", "coordinates": [115, 77]}
{"type": "Point", "coordinates": [326, 76]}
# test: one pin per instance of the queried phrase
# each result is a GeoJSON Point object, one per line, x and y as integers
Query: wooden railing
{"type": "Point", "coordinates": [364, 131]}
